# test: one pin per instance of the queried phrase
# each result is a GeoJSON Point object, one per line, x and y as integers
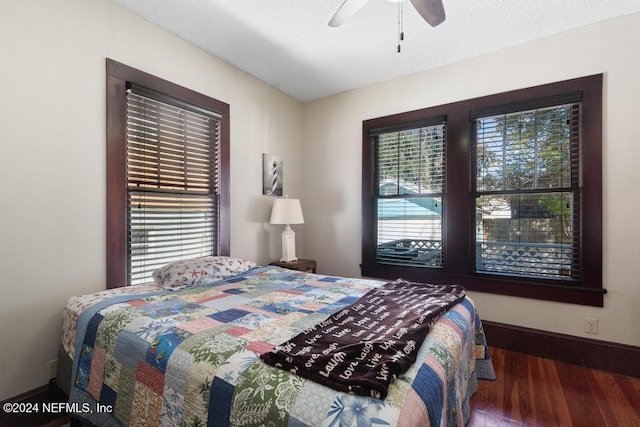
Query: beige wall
{"type": "Point", "coordinates": [333, 128]}
{"type": "Point", "coordinates": [52, 159]}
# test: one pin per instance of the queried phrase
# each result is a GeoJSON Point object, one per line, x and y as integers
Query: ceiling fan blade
{"type": "Point", "coordinates": [348, 9]}
{"type": "Point", "coordinates": [431, 10]}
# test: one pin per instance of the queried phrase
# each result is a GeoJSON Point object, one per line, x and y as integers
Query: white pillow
{"type": "Point", "coordinates": [199, 271]}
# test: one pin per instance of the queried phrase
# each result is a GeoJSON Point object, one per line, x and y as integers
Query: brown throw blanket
{"type": "Point", "coordinates": [364, 347]}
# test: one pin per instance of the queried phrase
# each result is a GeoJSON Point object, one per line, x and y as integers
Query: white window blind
{"type": "Point", "coordinates": [410, 182]}
{"type": "Point", "coordinates": [172, 181]}
{"type": "Point", "coordinates": [528, 192]}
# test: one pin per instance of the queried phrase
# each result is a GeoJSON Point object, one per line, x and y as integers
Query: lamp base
{"type": "Point", "coordinates": [288, 245]}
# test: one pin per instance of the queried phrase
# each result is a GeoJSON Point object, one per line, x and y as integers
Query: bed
{"type": "Point", "coordinates": [192, 354]}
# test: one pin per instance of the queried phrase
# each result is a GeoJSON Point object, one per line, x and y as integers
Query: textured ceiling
{"type": "Point", "coordinates": [288, 44]}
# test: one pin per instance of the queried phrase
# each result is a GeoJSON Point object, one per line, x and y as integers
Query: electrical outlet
{"type": "Point", "coordinates": [591, 325]}
{"type": "Point", "coordinates": [53, 368]}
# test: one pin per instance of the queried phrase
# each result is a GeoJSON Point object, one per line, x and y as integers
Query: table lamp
{"type": "Point", "coordinates": [287, 211]}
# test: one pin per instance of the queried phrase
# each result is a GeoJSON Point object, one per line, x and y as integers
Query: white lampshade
{"type": "Point", "coordinates": [286, 211]}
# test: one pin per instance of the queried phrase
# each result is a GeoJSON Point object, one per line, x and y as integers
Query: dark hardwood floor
{"type": "Point", "coordinates": [531, 391]}
{"type": "Point", "coordinates": [37, 416]}
{"type": "Point", "coordinates": [528, 391]}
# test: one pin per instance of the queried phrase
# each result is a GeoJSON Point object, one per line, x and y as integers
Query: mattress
{"type": "Point", "coordinates": [192, 356]}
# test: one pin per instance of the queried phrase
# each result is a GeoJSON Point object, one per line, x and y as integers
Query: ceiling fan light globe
{"type": "Point", "coordinates": [431, 11]}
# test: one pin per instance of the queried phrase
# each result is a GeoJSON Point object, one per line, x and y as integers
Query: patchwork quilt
{"type": "Point", "coordinates": [192, 357]}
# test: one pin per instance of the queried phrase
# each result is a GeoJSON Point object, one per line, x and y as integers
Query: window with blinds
{"type": "Point", "coordinates": [506, 199]}
{"type": "Point", "coordinates": [409, 180]}
{"type": "Point", "coordinates": [172, 182]}
{"type": "Point", "coordinates": [528, 193]}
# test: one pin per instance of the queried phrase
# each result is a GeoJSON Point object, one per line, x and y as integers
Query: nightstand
{"type": "Point", "coordinates": [308, 265]}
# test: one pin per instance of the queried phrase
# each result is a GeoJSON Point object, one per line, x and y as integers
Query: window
{"type": "Point", "coordinates": [501, 194]}
{"type": "Point", "coordinates": [409, 186]}
{"type": "Point", "coordinates": [167, 175]}
{"type": "Point", "coordinates": [527, 191]}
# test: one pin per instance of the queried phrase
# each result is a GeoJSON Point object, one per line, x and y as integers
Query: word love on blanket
{"type": "Point", "coordinates": [364, 347]}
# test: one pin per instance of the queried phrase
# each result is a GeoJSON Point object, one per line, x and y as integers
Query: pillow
{"type": "Point", "coordinates": [199, 271]}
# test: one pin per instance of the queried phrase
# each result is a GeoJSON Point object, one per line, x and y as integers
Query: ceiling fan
{"type": "Point", "coordinates": [431, 10]}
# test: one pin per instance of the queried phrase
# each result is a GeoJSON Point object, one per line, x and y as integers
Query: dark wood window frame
{"type": "Point", "coordinates": [458, 233]}
{"type": "Point", "coordinates": [118, 77]}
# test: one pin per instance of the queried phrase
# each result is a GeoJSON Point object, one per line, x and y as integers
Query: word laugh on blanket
{"type": "Point", "coordinates": [364, 347]}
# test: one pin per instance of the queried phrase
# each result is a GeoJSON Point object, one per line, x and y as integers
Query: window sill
{"type": "Point", "coordinates": [517, 287]}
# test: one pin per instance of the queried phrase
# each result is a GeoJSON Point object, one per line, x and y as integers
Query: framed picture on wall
{"type": "Point", "coordinates": [271, 175]}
